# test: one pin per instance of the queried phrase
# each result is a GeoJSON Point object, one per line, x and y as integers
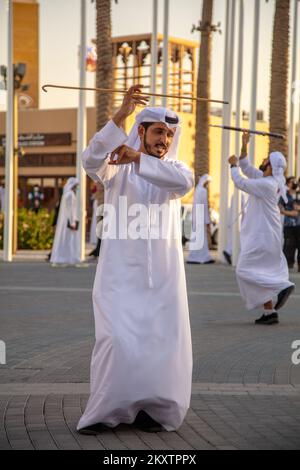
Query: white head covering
{"type": "Point", "coordinates": [204, 179]}
{"type": "Point", "coordinates": [278, 164]}
{"type": "Point", "coordinates": [71, 182]}
{"type": "Point", "coordinates": [157, 114]}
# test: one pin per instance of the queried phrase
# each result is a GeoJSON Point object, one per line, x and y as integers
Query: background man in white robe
{"type": "Point", "coordinates": [66, 249]}
{"type": "Point", "coordinates": [93, 236]}
{"type": "Point", "coordinates": [202, 255]}
{"type": "Point", "coordinates": [2, 197]}
{"type": "Point", "coordinates": [141, 368]}
{"type": "Point", "coordinates": [231, 225]}
{"type": "Point", "coordinates": [262, 271]}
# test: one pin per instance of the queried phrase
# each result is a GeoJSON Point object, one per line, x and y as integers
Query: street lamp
{"type": "Point", "coordinates": [19, 74]}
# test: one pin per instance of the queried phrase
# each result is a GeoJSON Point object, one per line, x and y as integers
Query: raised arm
{"type": "Point", "coordinates": [256, 187]}
{"type": "Point", "coordinates": [169, 174]}
{"type": "Point", "coordinates": [95, 157]}
{"type": "Point", "coordinates": [249, 170]}
{"type": "Point", "coordinates": [246, 167]}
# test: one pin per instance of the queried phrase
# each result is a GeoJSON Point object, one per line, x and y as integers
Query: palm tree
{"type": "Point", "coordinates": [202, 146]}
{"type": "Point", "coordinates": [279, 75]}
{"type": "Point", "coordinates": [104, 69]}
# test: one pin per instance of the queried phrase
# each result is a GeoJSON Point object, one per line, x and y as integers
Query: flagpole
{"type": "Point", "coordinates": [81, 135]}
{"type": "Point", "coordinates": [9, 148]}
{"type": "Point", "coordinates": [227, 112]}
{"type": "Point", "coordinates": [237, 196]}
{"type": "Point", "coordinates": [166, 54]}
{"type": "Point", "coordinates": [154, 51]}
{"type": "Point", "coordinates": [291, 131]}
{"type": "Point", "coordinates": [253, 111]}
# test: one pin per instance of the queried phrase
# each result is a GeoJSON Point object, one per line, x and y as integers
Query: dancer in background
{"type": "Point", "coordinates": [231, 225]}
{"type": "Point", "coordinates": [202, 255]}
{"type": "Point", "coordinates": [66, 248]}
{"type": "Point", "coordinates": [262, 271]}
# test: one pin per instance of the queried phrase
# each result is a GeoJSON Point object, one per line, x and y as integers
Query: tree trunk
{"type": "Point", "coordinates": [104, 73]}
{"type": "Point", "coordinates": [279, 76]}
{"type": "Point", "coordinates": [202, 149]}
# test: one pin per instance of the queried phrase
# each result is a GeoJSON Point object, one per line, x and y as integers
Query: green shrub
{"type": "Point", "coordinates": [35, 231]}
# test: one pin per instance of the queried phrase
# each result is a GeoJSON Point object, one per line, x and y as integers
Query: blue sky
{"type": "Point", "coordinates": [59, 39]}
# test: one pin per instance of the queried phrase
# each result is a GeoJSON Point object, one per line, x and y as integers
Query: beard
{"type": "Point", "coordinates": [151, 150]}
{"type": "Point", "coordinates": [263, 167]}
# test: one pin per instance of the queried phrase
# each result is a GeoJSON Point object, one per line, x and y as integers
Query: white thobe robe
{"type": "Point", "coordinates": [93, 235]}
{"type": "Point", "coordinates": [262, 270]}
{"type": "Point", "coordinates": [201, 255]}
{"type": "Point", "coordinates": [232, 221]}
{"type": "Point", "coordinates": [142, 358]}
{"type": "Point", "coordinates": [66, 245]}
{"type": "Point", "coordinates": [2, 199]}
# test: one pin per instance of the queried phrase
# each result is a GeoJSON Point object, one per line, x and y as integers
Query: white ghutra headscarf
{"type": "Point", "coordinates": [156, 114]}
{"type": "Point", "coordinates": [71, 182]}
{"type": "Point", "coordinates": [278, 164]}
{"type": "Point", "coordinates": [204, 179]}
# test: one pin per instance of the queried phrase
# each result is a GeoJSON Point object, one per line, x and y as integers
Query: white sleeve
{"type": "Point", "coordinates": [95, 156]}
{"type": "Point", "coordinates": [249, 170]}
{"type": "Point", "coordinates": [206, 212]}
{"type": "Point", "coordinates": [256, 187]}
{"type": "Point", "coordinates": [171, 175]}
{"type": "Point", "coordinates": [69, 208]}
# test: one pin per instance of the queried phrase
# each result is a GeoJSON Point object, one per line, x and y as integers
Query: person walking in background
{"type": "Point", "coordinates": [202, 255]}
{"type": "Point", "coordinates": [262, 272]}
{"type": "Point", "coordinates": [66, 248]}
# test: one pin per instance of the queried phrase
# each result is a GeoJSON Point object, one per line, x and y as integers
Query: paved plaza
{"type": "Point", "coordinates": [246, 390]}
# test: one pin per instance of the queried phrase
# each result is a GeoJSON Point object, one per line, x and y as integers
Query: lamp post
{"type": "Point", "coordinates": [13, 86]}
{"type": "Point", "coordinates": [8, 212]}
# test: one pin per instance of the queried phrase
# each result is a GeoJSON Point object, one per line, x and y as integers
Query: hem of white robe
{"type": "Point", "coordinates": [270, 297]}
{"type": "Point", "coordinates": [69, 263]}
{"type": "Point", "coordinates": [197, 256]}
{"type": "Point", "coordinates": [167, 427]}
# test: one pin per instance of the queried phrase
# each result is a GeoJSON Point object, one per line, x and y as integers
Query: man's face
{"type": "Point", "coordinates": [265, 165]}
{"type": "Point", "coordinates": [157, 139]}
{"type": "Point", "coordinates": [292, 184]}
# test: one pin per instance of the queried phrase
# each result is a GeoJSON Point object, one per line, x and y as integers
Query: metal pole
{"type": "Point", "coordinates": [291, 136]}
{"type": "Point", "coordinates": [236, 198]}
{"type": "Point", "coordinates": [166, 54]}
{"type": "Point", "coordinates": [154, 51]}
{"type": "Point", "coordinates": [9, 153]}
{"type": "Point", "coordinates": [81, 136]}
{"type": "Point", "coordinates": [298, 148]}
{"type": "Point", "coordinates": [16, 171]}
{"type": "Point", "coordinates": [254, 79]}
{"type": "Point", "coordinates": [227, 112]}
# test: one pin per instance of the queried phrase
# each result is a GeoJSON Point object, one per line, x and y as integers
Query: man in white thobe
{"type": "Point", "coordinates": [262, 271]}
{"type": "Point", "coordinates": [201, 255]}
{"type": "Point", "coordinates": [66, 244]}
{"type": "Point", "coordinates": [231, 225]}
{"type": "Point", "coordinates": [141, 368]}
{"type": "Point", "coordinates": [2, 198]}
